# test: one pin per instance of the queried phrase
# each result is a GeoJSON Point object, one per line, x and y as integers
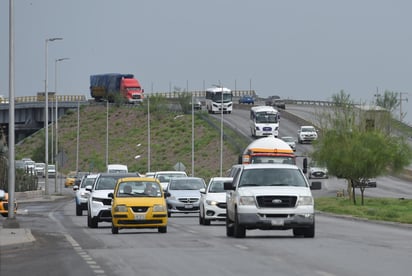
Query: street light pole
{"type": "Point", "coordinates": [56, 118]}
{"type": "Point", "coordinates": [46, 121]}
{"type": "Point", "coordinates": [107, 133]}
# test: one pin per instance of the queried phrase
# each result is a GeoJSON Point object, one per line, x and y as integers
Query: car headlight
{"type": "Point", "coordinates": [211, 202]}
{"type": "Point", "coordinates": [159, 208]}
{"type": "Point", "coordinates": [120, 208]}
{"type": "Point", "coordinates": [305, 200]}
{"type": "Point", "coordinates": [247, 200]}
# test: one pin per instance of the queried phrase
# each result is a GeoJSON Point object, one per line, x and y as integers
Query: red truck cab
{"type": "Point", "coordinates": [131, 90]}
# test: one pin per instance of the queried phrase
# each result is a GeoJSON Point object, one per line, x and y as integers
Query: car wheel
{"type": "Point", "coordinates": [229, 227]}
{"type": "Point", "coordinates": [239, 230]}
{"type": "Point", "coordinates": [79, 210]}
{"type": "Point", "coordinates": [162, 229]}
{"type": "Point", "coordinates": [201, 221]}
{"type": "Point", "coordinates": [91, 222]}
{"type": "Point", "coordinates": [206, 221]}
{"type": "Point", "coordinates": [115, 230]}
{"type": "Point", "coordinates": [169, 214]}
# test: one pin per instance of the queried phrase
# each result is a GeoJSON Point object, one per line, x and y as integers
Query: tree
{"type": "Point", "coordinates": [355, 152]}
{"type": "Point", "coordinates": [389, 101]}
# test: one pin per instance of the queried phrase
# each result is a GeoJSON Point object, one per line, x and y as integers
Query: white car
{"type": "Point", "coordinates": [307, 134]}
{"type": "Point", "coordinates": [316, 171]}
{"type": "Point", "coordinates": [165, 176]}
{"type": "Point", "coordinates": [51, 170]}
{"type": "Point", "coordinates": [290, 141]}
{"type": "Point", "coordinates": [82, 195]}
{"type": "Point", "coordinates": [99, 204]}
{"type": "Point", "coordinates": [213, 201]}
{"type": "Point", "coordinates": [39, 169]}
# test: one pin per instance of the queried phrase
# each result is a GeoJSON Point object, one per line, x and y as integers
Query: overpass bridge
{"type": "Point", "coordinates": [29, 112]}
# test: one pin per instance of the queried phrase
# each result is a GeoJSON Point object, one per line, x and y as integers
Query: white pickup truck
{"type": "Point", "coordinates": [270, 197]}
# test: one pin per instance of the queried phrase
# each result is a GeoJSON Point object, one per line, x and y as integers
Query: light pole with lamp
{"type": "Point", "coordinates": [46, 121]}
{"type": "Point", "coordinates": [56, 118]}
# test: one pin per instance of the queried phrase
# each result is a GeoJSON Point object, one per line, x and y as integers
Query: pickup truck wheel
{"type": "Point", "coordinates": [239, 230]}
{"type": "Point", "coordinates": [229, 227]}
{"type": "Point", "coordinates": [305, 232]}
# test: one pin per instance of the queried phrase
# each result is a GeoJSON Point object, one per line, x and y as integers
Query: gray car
{"type": "Point", "coordinates": [184, 195]}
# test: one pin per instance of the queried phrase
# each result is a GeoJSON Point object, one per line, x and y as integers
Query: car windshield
{"type": "Point", "coordinates": [139, 189]}
{"type": "Point", "coordinates": [186, 184]}
{"type": "Point", "coordinates": [272, 177]}
{"type": "Point", "coordinates": [308, 129]}
{"type": "Point", "coordinates": [167, 177]}
{"type": "Point", "coordinates": [287, 139]}
{"type": "Point", "coordinates": [87, 182]}
{"type": "Point", "coordinates": [216, 187]}
{"type": "Point", "coordinates": [106, 183]}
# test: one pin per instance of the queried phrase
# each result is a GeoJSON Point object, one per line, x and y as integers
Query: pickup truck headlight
{"type": "Point", "coordinates": [247, 200]}
{"type": "Point", "coordinates": [305, 200]}
{"type": "Point", "coordinates": [159, 208]}
{"type": "Point", "coordinates": [120, 208]}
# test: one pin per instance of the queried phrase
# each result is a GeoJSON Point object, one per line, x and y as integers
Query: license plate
{"type": "Point", "coordinates": [139, 217]}
{"type": "Point", "coordinates": [188, 206]}
{"type": "Point", "coordinates": [277, 222]}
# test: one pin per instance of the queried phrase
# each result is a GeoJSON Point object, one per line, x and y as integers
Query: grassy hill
{"type": "Point", "coordinates": [170, 140]}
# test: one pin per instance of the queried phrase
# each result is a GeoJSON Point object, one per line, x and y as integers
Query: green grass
{"type": "Point", "coordinates": [171, 141]}
{"type": "Point", "coordinates": [384, 209]}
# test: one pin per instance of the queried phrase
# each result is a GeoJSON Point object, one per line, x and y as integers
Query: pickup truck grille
{"type": "Point", "coordinates": [276, 201]}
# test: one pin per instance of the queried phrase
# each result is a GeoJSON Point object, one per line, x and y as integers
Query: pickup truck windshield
{"type": "Point", "coordinates": [272, 177]}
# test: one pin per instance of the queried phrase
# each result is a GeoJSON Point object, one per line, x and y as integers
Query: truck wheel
{"type": "Point", "coordinates": [305, 232]}
{"type": "Point", "coordinates": [239, 230]}
{"type": "Point", "coordinates": [229, 226]}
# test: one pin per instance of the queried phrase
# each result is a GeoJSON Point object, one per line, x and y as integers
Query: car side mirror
{"type": "Point", "coordinates": [316, 185]}
{"type": "Point", "coordinates": [227, 186]}
{"type": "Point", "coordinates": [305, 165]}
{"type": "Point", "coordinates": [202, 190]}
{"type": "Point", "coordinates": [166, 194]}
{"type": "Point", "coordinates": [110, 195]}
{"type": "Point", "coordinates": [75, 188]}
{"type": "Point", "coordinates": [89, 188]}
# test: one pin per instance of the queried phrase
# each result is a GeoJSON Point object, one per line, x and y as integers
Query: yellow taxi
{"type": "Point", "coordinates": [70, 178]}
{"type": "Point", "coordinates": [138, 202]}
{"type": "Point", "coordinates": [4, 204]}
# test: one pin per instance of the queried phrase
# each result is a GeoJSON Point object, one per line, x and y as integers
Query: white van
{"type": "Point", "coordinates": [117, 168]}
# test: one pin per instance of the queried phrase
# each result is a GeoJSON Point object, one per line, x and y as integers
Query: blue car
{"type": "Point", "coordinates": [246, 100]}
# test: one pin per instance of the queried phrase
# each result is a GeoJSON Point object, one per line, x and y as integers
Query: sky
{"type": "Point", "coordinates": [297, 49]}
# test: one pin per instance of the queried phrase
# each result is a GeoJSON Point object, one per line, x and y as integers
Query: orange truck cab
{"type": "Point", "coordinates": [268, 150]}
{"type": "Point", "coordinates": [131, 90]}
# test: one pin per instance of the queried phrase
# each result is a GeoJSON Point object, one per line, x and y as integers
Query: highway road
{"type": "Point", "coordinates": [387, 186]}
{"type": "Point", "coordinates": [66, 246]}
